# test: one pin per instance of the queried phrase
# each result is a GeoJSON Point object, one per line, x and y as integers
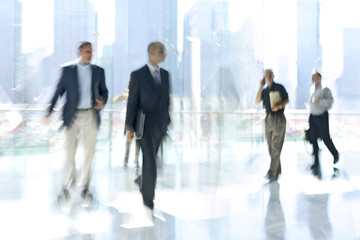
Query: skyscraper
{"type": "Point", "coordinates": [12, 76]}
{"type": "Point", "coordinates": [203, 26]}
{"type": "Point", "coordinates": [74, 21]}
{"type": "Point", "coordinates": [139, 22]}
{"type": "Point", "coordinates": [348, 85]}
{"type": "Point", "coordinates": [216, 60]}
{"type": "Point", "coordinates": [309, 52]}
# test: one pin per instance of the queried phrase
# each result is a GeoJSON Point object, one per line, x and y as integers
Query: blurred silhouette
{"type": "Point", "coordinates": [274, 98]}
{"type": "Point", "coordinates": [320, 102]}
{"type": "Point", "coordinates": [84, 85]}
{"type": "Point", "coordinates": [318, 218]}
{"type": "Point", "coordinates": [149, 98]}
{"type": "Point", "coordinates": [223, 84]}
{"type": "Point", "coordinates": [274, 219]}
{"type": "Point", "coordinates": [119, 98]}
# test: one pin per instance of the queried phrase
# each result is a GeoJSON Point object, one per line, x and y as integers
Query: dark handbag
{"type": "Point", "coordinates": [307, 135]}
{"type": "Point", "coordinates": [139, 124]}
{"type": "Point", "coordinates": [314, 130]}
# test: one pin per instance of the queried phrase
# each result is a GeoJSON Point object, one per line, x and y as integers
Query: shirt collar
{"type": "Point", "coordinates": [318, 86]}
{"type": "Point", "coordinates": [272, 86]}
{"type": "Point", "coordinates": [81, 65]}
{"type": "Point", "coordinates": [152, 68]}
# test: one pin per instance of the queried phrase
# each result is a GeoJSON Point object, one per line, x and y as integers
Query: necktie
{"type": "Point", "coordinates": [157, 78]}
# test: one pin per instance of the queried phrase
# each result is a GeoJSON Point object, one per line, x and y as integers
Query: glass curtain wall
{"type": "Point", "coordinates": [216, 53]}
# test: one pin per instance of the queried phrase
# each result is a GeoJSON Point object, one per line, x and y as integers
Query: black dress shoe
{"type": "Point", "coordinates": [63, 200]}
{"type": "Point", "coordinates": [273, 178]}
{"type": "Point", "coordinates": [86, 198]}
{"type": "Point", "coordinates": [336, 173]}
{"type": "Point", "coordinates": [138, 181]}
{"type": "Point", "coordinates": [313, 166]}
{"type": "Point", "coordinates": [316, 172]}
{"type": "Point", "coordinates": [267, 176]}
{"type": "Point", "coordinates": [125, 164]}
{"type": "Point", "coordinates": [64, 194]}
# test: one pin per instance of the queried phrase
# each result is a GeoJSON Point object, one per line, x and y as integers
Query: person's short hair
{"type": "Point", "coordinates": [270, 71]}
{"type": "Point", "coordinates": [83, 44]}
{"type": "Point", "coordinates": [154, 45]}
{"type": "Point", "coordinates": [318, 74]}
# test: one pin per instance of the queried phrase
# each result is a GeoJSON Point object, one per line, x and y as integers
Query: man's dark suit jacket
{"type": "Point", "coordinates": [152, 99]}
{"type": "Point", "coordinates": [68, 83]}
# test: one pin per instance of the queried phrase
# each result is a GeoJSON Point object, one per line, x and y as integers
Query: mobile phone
{"type": "Point", "coordinates": [263, 80]}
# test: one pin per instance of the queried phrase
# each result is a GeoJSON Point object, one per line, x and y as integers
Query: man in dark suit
{"type": "Point", "coordinates": [84, 85]}
{"type": "Point", "coordinates": [149, 91]}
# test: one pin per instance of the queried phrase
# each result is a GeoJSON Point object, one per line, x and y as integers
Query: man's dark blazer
{"type": "Point", "coordinates": [152, 99]}
{"type": "Point", "coordinates": [68, 83]}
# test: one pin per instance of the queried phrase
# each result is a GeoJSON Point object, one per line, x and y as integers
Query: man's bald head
{"type": "Point", "coordinates": [156, 51]}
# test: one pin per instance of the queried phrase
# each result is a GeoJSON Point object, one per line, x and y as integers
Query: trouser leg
{"type": "Point", "coordinates": [127, 150]}
{"type": "Point", "coordinates": [70, 147]}
{"type": "Point", "coordinates": [148, 170]}
{"type": "Point", "coordinates": [88, 137]}
{"type": "Point", "coordinates": [316, 152]}
{"type": "Point", "coordinates": [150, 142]}
{"type": "Point", "coordinates": [326, 135]}
{"type": "Point", "coordinates": [314, 134]}
{"type": "Point", "coordinates": [137, 152]}
{"type": "Point", "coordinates": [275, 133]}
{"type": "Point", "coordinates": [268, 136]}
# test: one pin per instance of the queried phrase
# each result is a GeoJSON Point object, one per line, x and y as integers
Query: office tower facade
{"type": "Point", "coordinates": [137, 23]}
{"type": "Point", "coordinates": [12, 68]}
{"type": "Point", "coordinates": [309, 51]}
{"type": "Point", "coordinates": [74, 21]}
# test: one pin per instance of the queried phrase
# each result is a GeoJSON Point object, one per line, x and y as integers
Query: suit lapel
{"type": "Point", "coordinates": [149, 77]}
{"type": "Point", "coordinates": [163, 76]}
{"type": "Point", "coordinates": [76, 78]}
{"type": "Point", "coordinates": [94, 89]}
{"type": "Point", "coordinates": [156, 89]}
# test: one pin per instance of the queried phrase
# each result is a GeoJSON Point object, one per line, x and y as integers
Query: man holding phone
{"type": "Point", "coordinates": [274, 98]}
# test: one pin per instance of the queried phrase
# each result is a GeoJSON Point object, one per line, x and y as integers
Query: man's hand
{"type": "Point", "coordinates": [119, 98]}
{"type": "Point", "coordinates": [315, 101]}
{"type": "Point", "coordinates": [116, 99]}
{"type": "Point", "coordinates": [276, 108]}
{"type": "Point", "coordinates": [45, 119]}
{"type": "Point", "coordinates": [99, 103]}
{"type": "Point", "coordinates": [130, 134]}
{"type": "Point", "coordinates": [262, 82]}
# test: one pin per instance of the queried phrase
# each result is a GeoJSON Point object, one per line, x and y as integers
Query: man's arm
{"type": "Point", "coordinates": [59, 91]}
{"type": "Point", "coordinates": [326, 99]}
{"type": "Point", "coordinates": [103, 89]}
{"type": "Point", "coordinates": [132, 106]}
{"type": "Point", "coordinates": [121, 97]}
{"type": "Point", "coordinates": [101, 100]}
{"type": "Point", "coordinates": [258, 95]}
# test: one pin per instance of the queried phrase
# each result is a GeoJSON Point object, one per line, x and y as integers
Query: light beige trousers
{"type": "Point", "coordinates": [82, 132]}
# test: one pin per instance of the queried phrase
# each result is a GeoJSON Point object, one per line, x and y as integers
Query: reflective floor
{"type": "Point", "coordinates": [204, 191]}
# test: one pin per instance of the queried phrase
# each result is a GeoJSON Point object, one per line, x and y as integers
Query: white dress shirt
{"type": "Point", "coordinates": [325, 99]}
{"type": "Point", "coordinates": [84, 77]}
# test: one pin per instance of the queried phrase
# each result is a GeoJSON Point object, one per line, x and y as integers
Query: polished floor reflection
{"type": "Point", "coordinates": [204, 191]}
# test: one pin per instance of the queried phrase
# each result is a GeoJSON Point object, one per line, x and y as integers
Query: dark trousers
{"type": "Point", "coordinates": [319, 128]}
{"type": "Point", "coordinates": [149, 143]}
